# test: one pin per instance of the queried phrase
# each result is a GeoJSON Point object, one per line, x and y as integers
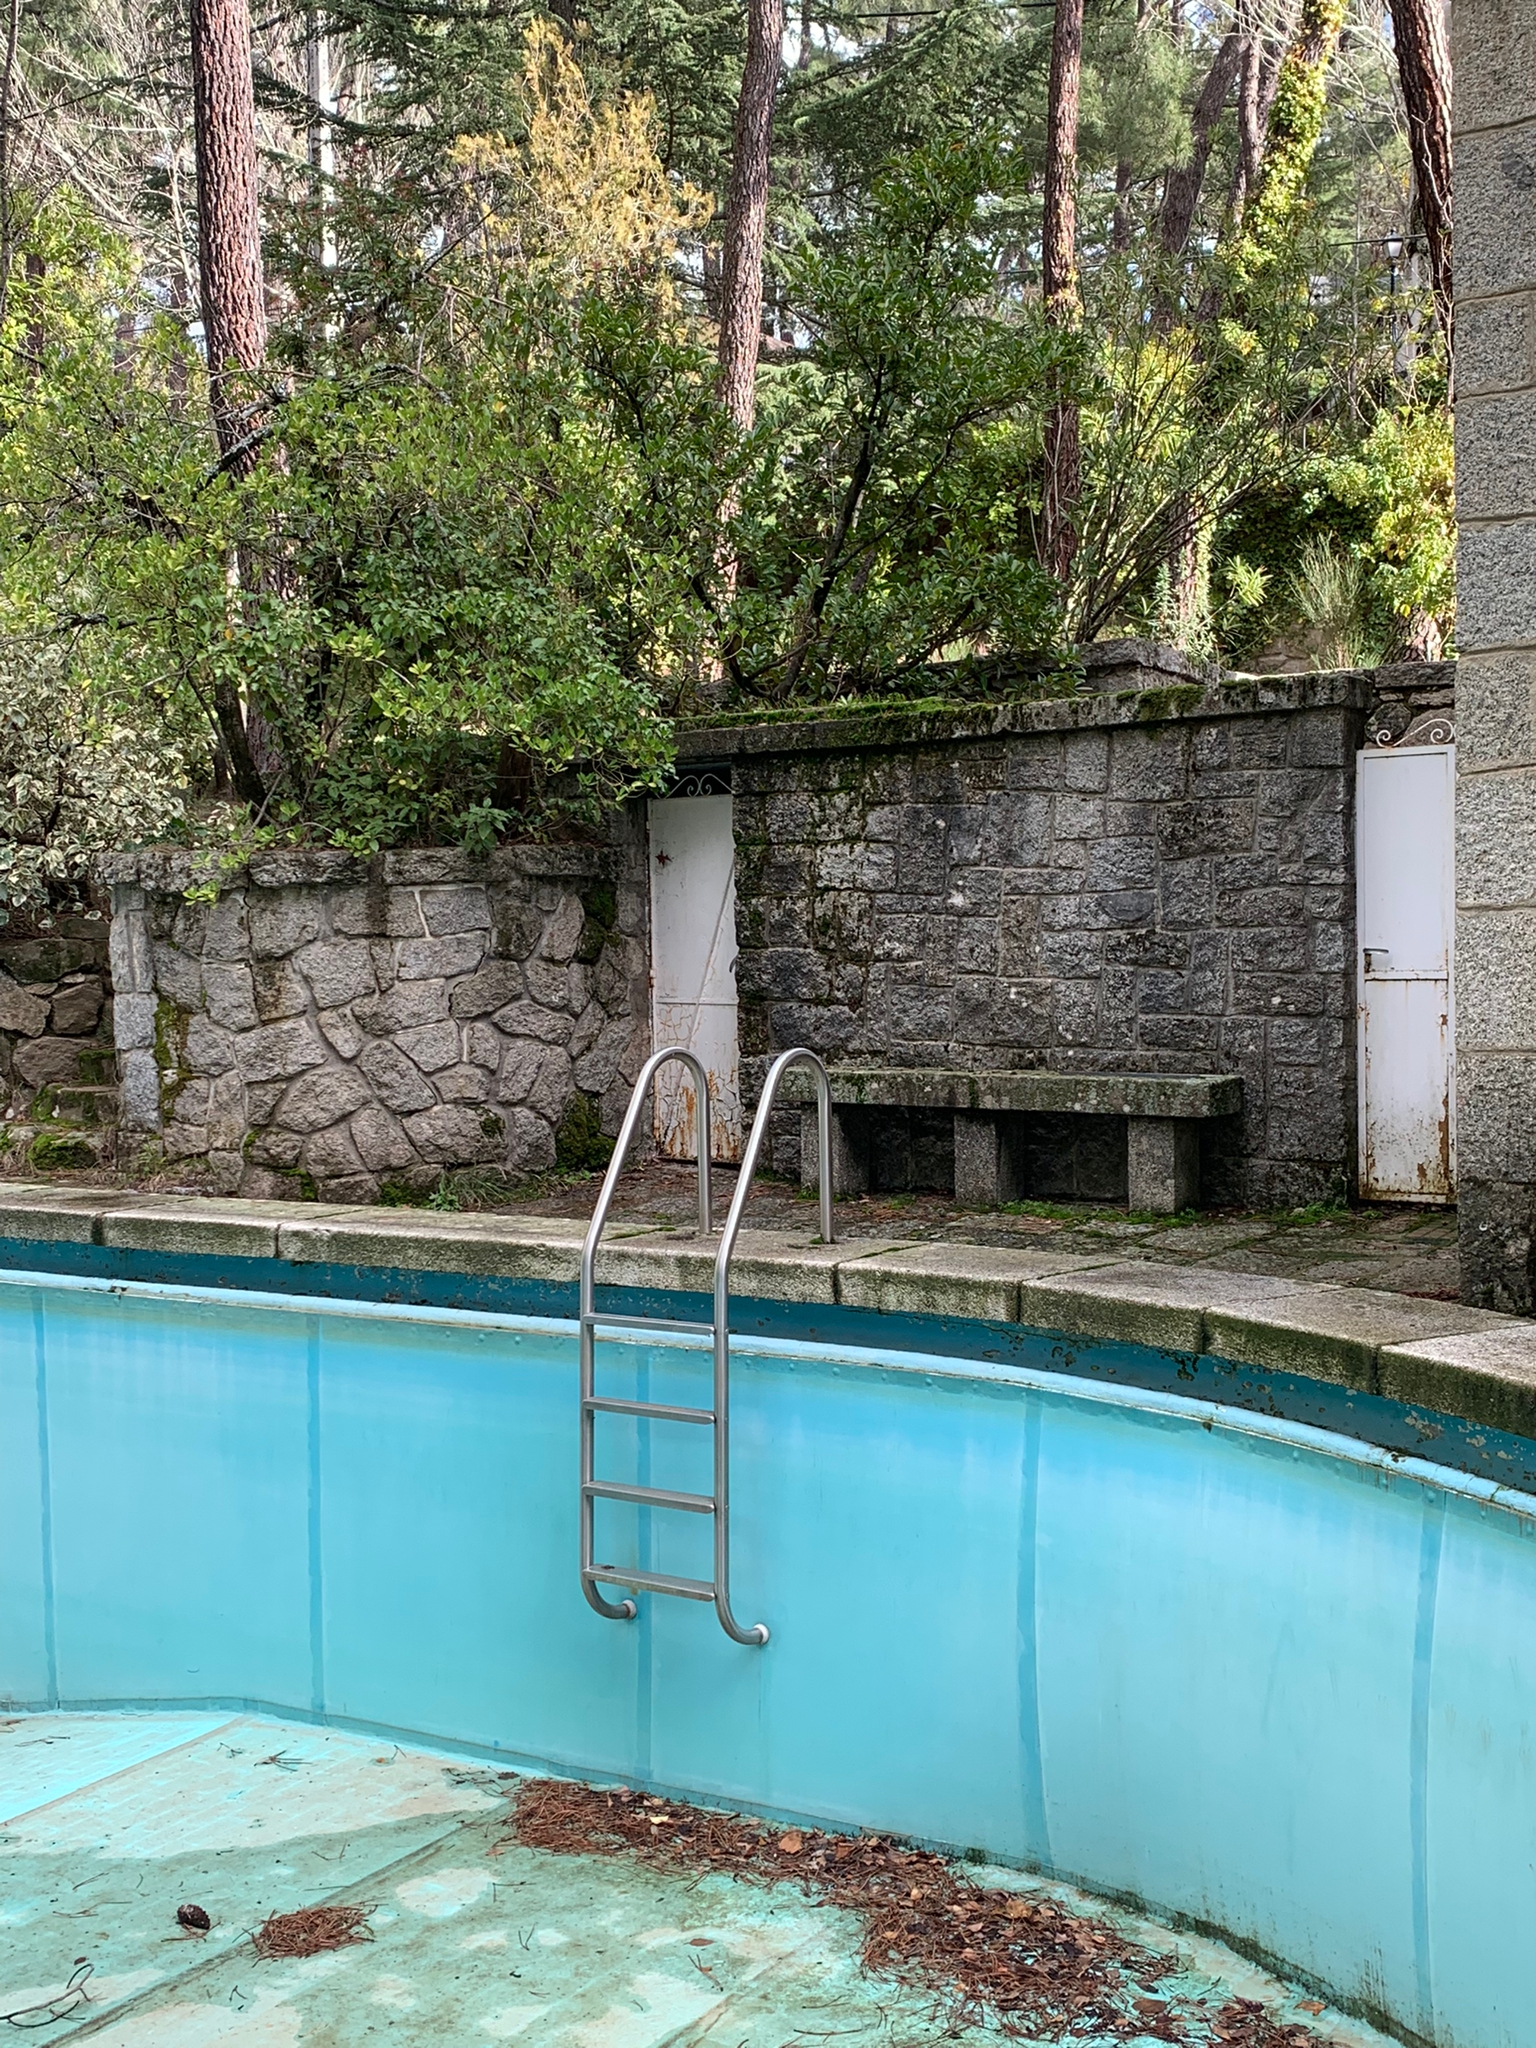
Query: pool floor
{"type": "Point", "coordinates": [109, 1822]}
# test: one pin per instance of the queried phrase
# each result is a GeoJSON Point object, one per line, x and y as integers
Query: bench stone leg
{"type": "Point", "coordinates": [986, 1174]}
{"type": "Point", "coordinates": [850, 1154]}
{"type": "Point", "coordinates": [1163, 1164]}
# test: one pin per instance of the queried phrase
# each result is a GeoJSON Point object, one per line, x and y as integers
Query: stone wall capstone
{"type": "Point", "coordinates": [345, 1028]}
{"type": "Point", "coordinates": [1150, 881]}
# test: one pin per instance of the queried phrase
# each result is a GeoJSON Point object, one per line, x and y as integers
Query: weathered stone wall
{"type": "Point", "coordinates": [58, 1098]}
{"type": "Point", "coordinates": [1494, 49]}
{"type": "Point", "coordinates": [340, 1028]}
{"type": "Point", "coordinates": [1154, 881]}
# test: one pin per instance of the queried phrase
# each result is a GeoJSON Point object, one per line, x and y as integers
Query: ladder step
{"type": "Point", "coordinates": [650, 1582]}
{"type": "Point", "coordinates": [650, 1496]}
{"type": "Point", "coordinates": [608, 1322]}
{"type": "Point", "coordinates": [655, 1409]}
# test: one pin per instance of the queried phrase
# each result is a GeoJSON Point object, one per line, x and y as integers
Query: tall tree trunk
{"type": "Point", "coordinates": [1424, 67]}
{"type": "Point", "coordinates": [1125, 181]}
{"type": "Point", "coordinates": [1181, 194]}
{"type": "Point", "coordinates": [746, 212]}
{"type": "Point", "coordinates": [1063, 452]}
{"type": "Point", "coordinates": [320, 84]}
{"type": "Point", "coordinates": [8, 150]}
{"type": "Point", "coordinates": [233, 304]}
{"type": "Point", "coordinates": [228, 218]}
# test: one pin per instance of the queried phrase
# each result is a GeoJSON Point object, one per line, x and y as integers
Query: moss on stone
{"type": "Point", "coordinates": [600, 903]}
{"type": "Point", "coordinates": [580, 1144]}
{"type": "Point", "coordinates": [60, 1148]}
{"type": "Point", "coordinates": [1166, 700]}
{"type": "Point", "coordinates": [171, 1026]}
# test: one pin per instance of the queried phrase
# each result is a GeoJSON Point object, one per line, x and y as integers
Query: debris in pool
{"type": "Point", "coordinates": [1043, 1971]}
{"type": "Point", "coordinates": [59, 2007]}
{"type": "Point", "coordinates": [1026, 1960]}
{"type": "Point", "coordinates": [1243, 2023]}
{"type": "Point", "coordinates": [311, 1930]}
{"type": "Point", "coordinates": [194, 1919]}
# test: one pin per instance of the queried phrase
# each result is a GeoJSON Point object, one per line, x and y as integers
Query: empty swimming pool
{"type": "Point", "coordinates": [1265, 1679]}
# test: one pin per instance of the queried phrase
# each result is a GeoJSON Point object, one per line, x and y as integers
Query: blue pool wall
{"type": "Point", "coordinates": [1260, 1676]}
{"type": "Point", "coordinates": [1407, 1429]}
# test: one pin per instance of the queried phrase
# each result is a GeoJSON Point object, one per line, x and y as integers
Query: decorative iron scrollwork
{"type": "Point", "coordinates": [706, 778]}
{"type": "Point", "coordinates": [1389, 726]}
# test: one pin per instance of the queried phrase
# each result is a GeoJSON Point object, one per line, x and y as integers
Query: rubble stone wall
{"type": "Point", "coordinates": [58, 1099]}
{"type": "Point", "coordinates": [342, 1028]}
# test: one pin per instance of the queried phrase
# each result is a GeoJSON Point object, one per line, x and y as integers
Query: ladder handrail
{"type": "Point", "coordinates": [800, 1054]}
{"type": "Point", "coordinates": [626, 1138]}
{"type": "Point", "coordinates": [720, 1502]}
{"type": "Point", "coordinates": [625, 1610]}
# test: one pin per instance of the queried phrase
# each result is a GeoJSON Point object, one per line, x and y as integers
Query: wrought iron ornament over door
{"type": "Point", "coordinates": [693, 967]}
{"type": "Point", "coordinates": [1405, 923]}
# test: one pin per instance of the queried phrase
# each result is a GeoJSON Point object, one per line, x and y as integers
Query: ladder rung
{"type": "Point", "coordinates": [650, 1496]}
{"type": "Point", "coordinates": [651, 1582]}
{"type": "Point", "coordinates": [648, 1323]}
{"type": "Point", "coordinates": [603, 1406]}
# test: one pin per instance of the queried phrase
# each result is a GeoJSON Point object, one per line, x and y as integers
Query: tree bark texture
{"type": "Point", "coordinates": [1424, 68]}
{"type": "Point", "coordinates": [1181, 194]}
{"type": "Point", "coordinates": [228, 217]}
{"type": "Point", "coordinates": [746, 212]}
{"type": "Point", "coordinates": [1063, 452]}
{"type": "Point", "coordinates": [233, 301]}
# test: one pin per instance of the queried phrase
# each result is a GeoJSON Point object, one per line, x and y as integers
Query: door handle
{"type": "Point", "coordinates": [1377, 958]}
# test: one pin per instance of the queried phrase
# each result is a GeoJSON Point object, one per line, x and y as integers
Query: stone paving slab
{"type": "Point", "coordinates": [981, 1281]}
{"type": "Point", "coordinates": [1081, 1283]}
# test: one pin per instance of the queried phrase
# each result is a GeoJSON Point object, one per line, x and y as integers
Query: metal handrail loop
{"type": "Point", "coordinates": [625, 1610]}
{"type": "Point", "coordinates": [802, 1056]}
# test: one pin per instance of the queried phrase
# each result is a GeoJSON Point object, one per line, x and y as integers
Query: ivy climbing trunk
{"type": "Point", "coordinates": [1063, 307]}
{"type": "Point", "coordinates": [1295, 125]}
{"type": "Point", "coordinates": [746, 212]}
{"type": "Point", "coordinates": [232, 286]}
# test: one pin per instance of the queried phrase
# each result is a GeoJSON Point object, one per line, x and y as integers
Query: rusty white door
{"type": "Point", "coordinates": [693, 967]}
{"type": "Point", "coordinates": [1405, 922]}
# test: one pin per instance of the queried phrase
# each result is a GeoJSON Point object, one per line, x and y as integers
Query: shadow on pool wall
{"type": "Point", "coordinates": [1271, 1682]}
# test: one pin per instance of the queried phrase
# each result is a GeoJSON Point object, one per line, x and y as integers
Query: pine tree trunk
{"type": "Point", "coordinates": [746, 212]}
{"type": "Point", "coordinates": [233, 303]}
{"type": "Point", "coordinates": [1063, 453]}
{"type": "Point", "coordinates": [1181, 194]}
{"type": "Point", "coordinates": [1424, 68]}
{"type": "Point", "coordinates": [228, 218]}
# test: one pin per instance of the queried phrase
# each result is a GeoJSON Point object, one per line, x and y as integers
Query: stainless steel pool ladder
{"type": "Point", "coordinates": [717, 1417]}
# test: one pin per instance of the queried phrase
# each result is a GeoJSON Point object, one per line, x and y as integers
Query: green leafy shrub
{"type": "Point", "coordinates": [76, 776]}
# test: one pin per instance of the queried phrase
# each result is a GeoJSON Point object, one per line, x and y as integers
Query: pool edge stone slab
{"type": "Point", "coordinates": [1467, 1363]}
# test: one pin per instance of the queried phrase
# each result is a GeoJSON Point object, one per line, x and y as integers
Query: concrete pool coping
{"type": "Point", "coordinates": [1466, 1363]}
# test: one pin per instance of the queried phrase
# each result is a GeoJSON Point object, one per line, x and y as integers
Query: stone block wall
{"type": "Point", "coordinates": [1494, 120]}
{"type": "Point", "coordinates": [341, 1028]}
{"type": "Point", "coordinates": [58, 1099]}
{"type": "Point", "coordinates": [1154, 881]}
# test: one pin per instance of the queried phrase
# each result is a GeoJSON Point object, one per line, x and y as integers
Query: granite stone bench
{"type": "Point", "coordinates": [1163, 1115]}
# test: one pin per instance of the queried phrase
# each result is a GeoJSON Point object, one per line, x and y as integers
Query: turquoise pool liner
{"type": "Point", "coordinates": [1253, 1672]}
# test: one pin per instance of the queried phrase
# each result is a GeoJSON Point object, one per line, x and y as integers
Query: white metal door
{"type": "Point", "coordinates": [1405, 922]}
{"type": "Point", "coordinates": [693, 967]}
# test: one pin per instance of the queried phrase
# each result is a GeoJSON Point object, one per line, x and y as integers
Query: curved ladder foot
{"type": "Point", "coordinates": [611, 1610]}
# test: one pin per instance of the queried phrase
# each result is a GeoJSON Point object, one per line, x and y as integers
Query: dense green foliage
{"type": "Point", "coordinates": [496, 534]}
